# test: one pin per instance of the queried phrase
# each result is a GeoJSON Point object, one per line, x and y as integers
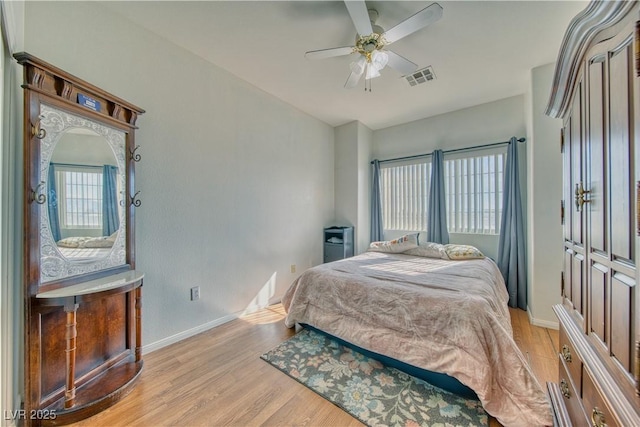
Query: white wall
{"type": "Point", "coordinates": [353, 143]}
{"type": "Point", "coordinates": [545, 192]}
{"type": "Point", "coordinates": [365, 147]}
{"type": "Point", "coordinates": [346, 174]}
{"type": "Point", "coordinates": [236, 185]}
{"type": "Point", "coordinates": [483, 124]}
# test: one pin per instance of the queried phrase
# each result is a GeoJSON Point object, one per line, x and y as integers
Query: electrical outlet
{"type": "Point", "coordinates": [195, 293]}
{"type": "Point", "coordinates": [293, 268]}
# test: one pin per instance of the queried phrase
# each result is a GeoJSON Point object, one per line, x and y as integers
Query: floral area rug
{"type": "Point", "coordinates": [375, 394]}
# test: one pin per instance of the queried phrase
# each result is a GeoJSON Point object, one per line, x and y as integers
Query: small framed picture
{"type": "Point", "coordinates": [90, 103]}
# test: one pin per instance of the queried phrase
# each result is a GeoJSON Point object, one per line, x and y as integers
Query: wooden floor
{"type": "Point", "coordinates": [217, 379]}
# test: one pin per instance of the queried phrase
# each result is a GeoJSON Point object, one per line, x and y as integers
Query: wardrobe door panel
{"type": "Point", "coordinates": [599, 278]}
{"type": "Point", "coordinates": [568, 279]}
{"type": "Point", "coordinates": [567, 190]}
{"type": "Point", "coordinates": [622, 288]}
{"type": "Point", "coordinates": [597, 170]}
{"type": "Point", "coordinates": [576, 164]}
{"type": "Point", "coordinates": [619, 149]}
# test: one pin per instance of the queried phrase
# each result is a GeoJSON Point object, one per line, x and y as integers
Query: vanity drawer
{"type": "Point", "coordinates": [596, 409]}
{"type": "Point", "coordinates": [571, 359]}
{"type": "Point", "coordinates": [571, 396]}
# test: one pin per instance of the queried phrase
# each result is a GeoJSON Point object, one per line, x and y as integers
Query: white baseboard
{"type": "Point", "coordinates": [188, 333]}
{"type": "Point", "coordinates": [542, 323]}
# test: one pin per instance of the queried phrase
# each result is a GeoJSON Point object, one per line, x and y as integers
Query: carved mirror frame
{"type": "Point", "coordinates": [49, 89]}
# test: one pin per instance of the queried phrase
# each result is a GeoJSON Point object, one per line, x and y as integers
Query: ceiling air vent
{"type": "Point", "coordinates": [421, 76]}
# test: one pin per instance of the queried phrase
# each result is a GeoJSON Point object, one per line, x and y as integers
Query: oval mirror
{"type": "Point", "coordinates": [83, 218]}
{"type": "Point", "coordinates": [82, 191]}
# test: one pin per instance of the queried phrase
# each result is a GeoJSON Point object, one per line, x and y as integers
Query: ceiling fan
{"type": "Point", "coordinates": [371, 41]}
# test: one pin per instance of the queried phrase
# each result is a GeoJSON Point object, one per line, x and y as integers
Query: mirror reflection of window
{"type": "Point", "coordinates": [80, 187]}
{"type": "Point", "coordinates": [84, 200]}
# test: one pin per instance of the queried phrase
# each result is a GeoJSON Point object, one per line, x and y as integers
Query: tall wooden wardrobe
{"type": "Point", "coordinates": [597, 94]}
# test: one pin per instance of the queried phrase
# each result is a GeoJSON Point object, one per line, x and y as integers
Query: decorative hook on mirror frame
{"type": "Point", "coordinates": [135, 157]}
{"type": "Point", "coordinates": [38, 195]}
{"type": "Point", "coordinates": [37, 131]}
{"type": "Point", "coordinates": [135, 201]}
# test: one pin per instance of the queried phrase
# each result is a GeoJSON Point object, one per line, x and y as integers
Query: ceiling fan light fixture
{"type": "Point", "coordinates": [372, 72]}
{"type": "Point", "coordinates": [379, 59]}
{"type": "Point", "coordinates": [358, 67]}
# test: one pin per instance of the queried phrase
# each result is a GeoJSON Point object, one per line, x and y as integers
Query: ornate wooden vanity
{"type": "Point", "coordinates": [82, 294]}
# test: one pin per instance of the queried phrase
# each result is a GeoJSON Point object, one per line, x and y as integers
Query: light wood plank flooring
{"type": "Point", "coordinates": [217, 379]}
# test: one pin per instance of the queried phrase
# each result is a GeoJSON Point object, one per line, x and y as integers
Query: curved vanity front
{"type": "Point", "coordinates": [111, 380]}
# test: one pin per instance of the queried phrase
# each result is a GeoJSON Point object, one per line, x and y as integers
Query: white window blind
{"type": "Point", "coordinates": [81, 191]}
{"type": "Point", "coordinates": [473, 189]}
{"type": "Point", "coordinates": [405, 195]}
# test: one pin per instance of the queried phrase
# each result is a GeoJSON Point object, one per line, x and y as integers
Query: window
{"type": "Point", "coordinates": [473, 188]}
{"type": "Point", "coordinates": [81, 190]}
{"type": "Point", "coordinates": [405, 195]}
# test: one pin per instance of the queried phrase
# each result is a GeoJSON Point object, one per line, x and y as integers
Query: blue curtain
{"type": "Point", "coordinates": [52, 204]}
{"type": "Point", "coordinates": [377, 232]}
{"type": "Point", "coordinates": [511, 248]}
{"type": "Point", "coordinates": [110, 220]}
{"type": "Point", "coordinates": [437, 211]}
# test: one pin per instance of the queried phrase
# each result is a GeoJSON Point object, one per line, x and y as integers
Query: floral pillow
{"type": "Point", "coordinates": [396, 246]}
{"type": "Point", "coordinates": [429, 250]}
{"type": "Point", "coordinates": [458, 252]}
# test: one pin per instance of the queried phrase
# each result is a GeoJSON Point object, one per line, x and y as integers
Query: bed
{"type": "Point", "coordinates": [79, 248]}
{"type": "Point", "coordinates": [444, 316]}
{"type": "Point", "coordinates": [81, 254]}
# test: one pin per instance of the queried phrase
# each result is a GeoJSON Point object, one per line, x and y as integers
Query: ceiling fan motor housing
{"type": "Point", "coordinates": [367, 43]}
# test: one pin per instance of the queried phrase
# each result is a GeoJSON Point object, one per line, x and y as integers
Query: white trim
{"type": "Point", "coordinates": [188, 333]}
{"type": "Point", "coordinates": [13, 22]}
{"type": "Point", "coordinates": [542, 323]}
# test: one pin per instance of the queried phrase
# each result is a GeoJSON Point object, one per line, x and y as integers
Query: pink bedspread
{"type": "Point", "coordinates": [443, 316]}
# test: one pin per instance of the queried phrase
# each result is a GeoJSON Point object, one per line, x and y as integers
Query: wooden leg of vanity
{"type": "Point", "coordinates": [71, 334]}
{"type": "Point", "coordinates": [138, 349]}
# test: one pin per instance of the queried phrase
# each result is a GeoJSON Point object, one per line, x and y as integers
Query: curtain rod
{"type": "Point", "coordinates": [76, 165]}
{"type": "Point", "coordinates": [450, 151]}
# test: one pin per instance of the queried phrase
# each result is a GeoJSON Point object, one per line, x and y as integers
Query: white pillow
{"type": "Point", "coordinates": [429, 250]}
{"type": "Point", "coordinates": [72, 242]}
{"type": "Point", "coordinates": [97, 242]}
{"type": "Point", "coordinates": [396, 246]}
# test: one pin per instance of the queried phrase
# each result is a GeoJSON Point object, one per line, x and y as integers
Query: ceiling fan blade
{"type": "Point", "coordinates": [400, 63]}
{"type": "Point", "coordinates": [329, 53]}
{"type": "Point", "coordinates": [353, 80]}
{"type": "Point", "coordinates": [359, 16]}
{"type": "Point", "coordinates": [426, 16]}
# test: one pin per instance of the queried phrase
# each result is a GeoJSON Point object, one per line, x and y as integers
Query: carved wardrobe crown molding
{"type": "Point", "coordinates": [593, 25]}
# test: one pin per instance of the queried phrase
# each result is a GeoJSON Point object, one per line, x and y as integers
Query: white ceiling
{"type": "Point", "coordinates": [481, 51]}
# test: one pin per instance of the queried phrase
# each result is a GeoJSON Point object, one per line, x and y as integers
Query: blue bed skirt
{"type": "Point", "coordinates": [437, 379]}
